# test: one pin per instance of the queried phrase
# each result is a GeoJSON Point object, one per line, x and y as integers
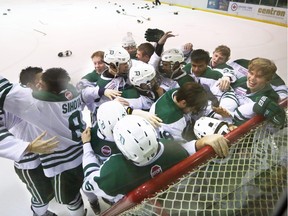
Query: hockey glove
{"type": "Point", "coordinates": [270, 110]}
{"type": "Point", "coordinates": [153, 35]}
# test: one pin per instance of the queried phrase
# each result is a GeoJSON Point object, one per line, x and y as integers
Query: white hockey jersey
{"type": "Point", "coordinates": [10, 147]}
{"type": "Point", "coordinates": [59, 115]}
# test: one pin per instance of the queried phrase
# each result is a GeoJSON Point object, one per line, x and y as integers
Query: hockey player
{"type": "Point", "coordinates": [220, 57]}
{"type": "Point", "coordinates": [218, 62]}
{"type": "Point", "coordinates": [187, 50]}
{"type": "Point", "coordinates": [212, 80]}
{"type": "Point", "coordinates": [146, 51]}
{"type": "Point", "coordinates": [24, 150]}
{"type": "Point", "coordinates": [56, 108]}
{"type": "Point", "coordinates": [130, 45]}
{"type": "Point", "coordinates": [171, 74]}
{"type": "Point", "coordinates": [30, 77]}
{"type": "Point", "coordinates": [144, 89]}
{"type": "Point", "coordinates": [39, 186]}
{"type": "Point", "coordinates": [278, 84]}
{"type": "Point", "coordinates": [175, 107]}
{"type": "Point", "coordinates": [255, 94]}
{"type": "Point", "coordinates": [142, 157]}
{"type": "Point", "coordinates": [88, 85]}
{"type": "Point", "coordinates": [91, 78]}
{"type": "Point", "coordinates": [114, 79]}
{"type": "Point", "coordinates": [108, 114]}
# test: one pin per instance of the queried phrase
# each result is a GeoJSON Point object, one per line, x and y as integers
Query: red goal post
{"type": "Point", "coordinates": [162, 181]}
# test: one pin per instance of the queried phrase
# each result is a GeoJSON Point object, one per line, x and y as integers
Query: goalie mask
{"type": "Point", "coordinates": [171, 61]}
{"type": "Point", "coordinates": [207, 126]}
{"type": "Point", "coordinates": [141, 75]}
{"type": "Point", "coordinates": [116, 56]}
{"type": "Point", "coordinates": [108, 114]}
{"type": "Point", "coordinates": [136, 138]}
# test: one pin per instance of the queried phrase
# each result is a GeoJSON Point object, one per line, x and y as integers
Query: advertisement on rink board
{"type": "Point", "coordinates": [261, 12]}
{"type": "Point", "coordinates": [218, 4]}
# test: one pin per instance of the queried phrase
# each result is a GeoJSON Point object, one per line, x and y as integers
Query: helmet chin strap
{"type": "Point", "coordinates": [100, 133]}
{"type": "Point", "coordinates": [174, 71]}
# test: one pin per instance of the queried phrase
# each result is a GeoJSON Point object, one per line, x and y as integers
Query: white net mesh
{"type": "Point", "coordinates": [249, 182]}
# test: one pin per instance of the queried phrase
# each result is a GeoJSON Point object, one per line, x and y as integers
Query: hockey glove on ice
{"type": "Point", "coordinates": [270, 110]}
{"type": "Point", "coordinates": [153, 35]}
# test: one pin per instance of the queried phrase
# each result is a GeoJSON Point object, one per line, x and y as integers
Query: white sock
{"type": "Point", "coordinates": [78, 212]}
{"type": "Point", "coordinates": [40, 210]}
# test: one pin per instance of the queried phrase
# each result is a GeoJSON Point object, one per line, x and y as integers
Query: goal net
{"type": "Point", "coordinates": [250, 181]}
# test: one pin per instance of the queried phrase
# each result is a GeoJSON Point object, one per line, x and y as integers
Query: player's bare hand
{"type": "Point", "coordinates": [221, 111]}
{"type": "Point", "coordinates": [167, 35]}
{"type": "Point", "coordinates": [122, 101]}
{"type": "Point", "coordinates": [188, 47]}
{"type": "Point", "coordinates": [218, 142]}
{"type": "Point", "coordinates": [232, 127]}
{"type": "Point", "coordinates": [224, 83]}
{"type": "Point", "coordinates": [86, 135]}
{"type": "Point", "coordinates": [152, 118]}
{"type": "Point", "coordinates": [40, 146]}
{"type": "Point", "coordinates": [111, 94]}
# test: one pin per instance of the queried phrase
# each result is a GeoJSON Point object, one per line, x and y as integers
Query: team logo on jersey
{"type": "Point", "coordinates": [106, 150]}
{"type": "Point", "coordinates": [155, 170]}
{"type": "Point", "coordinates": [68, 95]}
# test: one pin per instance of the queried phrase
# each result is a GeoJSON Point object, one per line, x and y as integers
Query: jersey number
{"type": "Point", "coordinates": [76, 126]}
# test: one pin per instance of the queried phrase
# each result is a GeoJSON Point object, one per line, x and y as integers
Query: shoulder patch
{"type": "Point", "coordinates": [155, 170]}
{"type": "Point", "coordinates": [68, 95]}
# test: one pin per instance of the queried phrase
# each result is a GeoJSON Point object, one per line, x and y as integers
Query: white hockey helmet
{"type": "Point", "coordinates": [116, 56]}
{"type": "Point", "coordinates": [136, 138]}
{"type": "Point", "coordinates": [141, 73]}
{"type": "Point", "coordinates": [207, 126]}
{"type": "Point", "coordinates": [108, 114]}
{"type": "Point", "coordinates": [173, 56]}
